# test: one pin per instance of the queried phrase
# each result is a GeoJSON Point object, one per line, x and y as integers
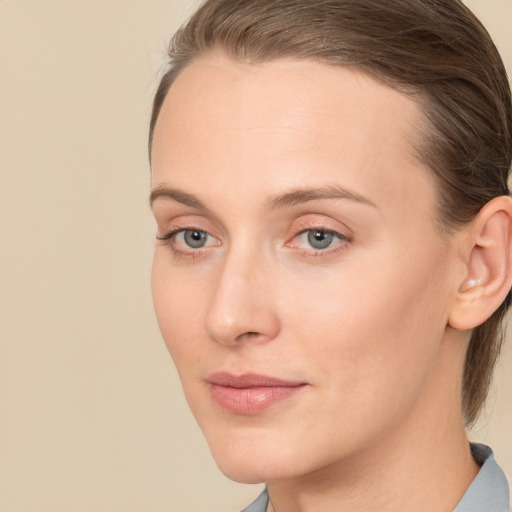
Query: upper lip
{"type": "Point", "coordinates": [249, 380]}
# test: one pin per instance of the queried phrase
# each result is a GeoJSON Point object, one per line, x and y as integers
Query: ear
{"type": "Point", "coordinates": [488, 265]}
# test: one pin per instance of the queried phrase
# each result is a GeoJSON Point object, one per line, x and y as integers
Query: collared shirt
{"type": "Point", "coordinates": [487, 493]}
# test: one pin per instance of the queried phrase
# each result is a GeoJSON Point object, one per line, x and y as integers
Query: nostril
{"type": "Point", "coordinates": [249, 334]}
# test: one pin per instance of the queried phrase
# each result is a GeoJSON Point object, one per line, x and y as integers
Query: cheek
{"type": "Point", "coordinates": [372, 328]}
{"type": "Point", "coordinates": [177, 307]}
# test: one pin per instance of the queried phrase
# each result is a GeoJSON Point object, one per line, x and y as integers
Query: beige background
{"type": "Point", "coordinates": [91, 415]}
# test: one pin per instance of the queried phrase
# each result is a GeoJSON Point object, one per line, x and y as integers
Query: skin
{"type": "Point", "coordinates": [364, 323]}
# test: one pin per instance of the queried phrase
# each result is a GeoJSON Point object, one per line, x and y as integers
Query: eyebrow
{"type": "Point", "coordinates": [287, 199]}
{"type": "Point", "coordinates": [300, 196]}
{"type": "Point", "coordinates": [176, 195]}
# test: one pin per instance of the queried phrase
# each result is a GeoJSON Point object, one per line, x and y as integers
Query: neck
{"type": "Point", "coordinates": [434, 474]}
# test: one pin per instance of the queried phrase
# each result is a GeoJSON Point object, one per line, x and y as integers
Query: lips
{"type": "Point", "coordinates": [250, 394]}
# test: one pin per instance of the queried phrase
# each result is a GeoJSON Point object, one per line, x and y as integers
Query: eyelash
{"type": "Point", "coordinates": [343, 240]}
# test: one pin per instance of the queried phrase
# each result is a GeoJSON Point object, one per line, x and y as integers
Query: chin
{"type": "Point", "coordinates": [243, 456]}
{"type": "Point", "coordinates": [252, 471]}
{"type": "Point", "coordinates": [253, 455]}
{"type": "Point", "coordinates": [243, 473]}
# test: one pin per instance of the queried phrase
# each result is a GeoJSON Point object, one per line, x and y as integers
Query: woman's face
{"type": "Point", "coordinates": [300, 284]}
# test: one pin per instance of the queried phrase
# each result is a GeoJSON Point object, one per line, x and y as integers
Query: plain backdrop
{"type": "Point", "coordinates": [92, 416]}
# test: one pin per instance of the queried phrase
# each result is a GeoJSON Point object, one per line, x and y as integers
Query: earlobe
{"type": "Point", "coordinates": [488, 276]}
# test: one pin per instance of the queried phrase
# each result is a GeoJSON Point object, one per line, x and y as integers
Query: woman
{"type": "Point", "coordinates": [333, 253]}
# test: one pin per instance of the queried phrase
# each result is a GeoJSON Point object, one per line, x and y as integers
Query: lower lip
{"type": "Point", "coordinates": [250, 401]}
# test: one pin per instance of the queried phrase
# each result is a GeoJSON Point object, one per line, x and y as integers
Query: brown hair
{"type": "Point", "coordinates": [434, 50]}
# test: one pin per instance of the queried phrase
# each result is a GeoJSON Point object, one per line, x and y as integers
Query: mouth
{"type": "Point", "coordinates": [250, 394]}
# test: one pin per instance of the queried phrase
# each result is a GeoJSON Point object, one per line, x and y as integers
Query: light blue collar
{"type": "Point", "coordinates": [489, 490]}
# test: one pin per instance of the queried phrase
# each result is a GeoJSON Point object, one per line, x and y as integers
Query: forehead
{"type": "Point", "coordinates": [248, 123]}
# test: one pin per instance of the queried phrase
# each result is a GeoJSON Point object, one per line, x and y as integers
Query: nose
{"type": "Point", "coordinates": [243, 306]}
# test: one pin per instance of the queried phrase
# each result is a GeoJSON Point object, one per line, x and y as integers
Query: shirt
{"type": "Point", "coordinates": [487, 493]}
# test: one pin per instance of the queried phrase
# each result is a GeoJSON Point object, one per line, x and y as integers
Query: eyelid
{"type": "Point", "coordinates": [321, 223]}
{"type": "Point", "coordinates": [183, 222]}
{"type": "Point", "coordinates": [169, 215]}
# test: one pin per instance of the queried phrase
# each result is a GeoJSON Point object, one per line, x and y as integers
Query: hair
{"type": "Point", "coordinates": [434, 50]}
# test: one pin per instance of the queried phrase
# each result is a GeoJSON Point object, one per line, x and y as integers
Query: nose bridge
{"type": "Point", "coordinates": [242, 305]}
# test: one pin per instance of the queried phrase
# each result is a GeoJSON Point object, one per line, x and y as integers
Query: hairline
{"type": "Point", "coordinates": [418, 139]}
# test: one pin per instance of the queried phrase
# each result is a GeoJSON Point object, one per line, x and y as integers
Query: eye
{"type": "Point", "coordinates": [192, 238]}
{"type": "Point", "coordinates": [318, 239]}
{"type": "Point", "coordinates": [185, 242]}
